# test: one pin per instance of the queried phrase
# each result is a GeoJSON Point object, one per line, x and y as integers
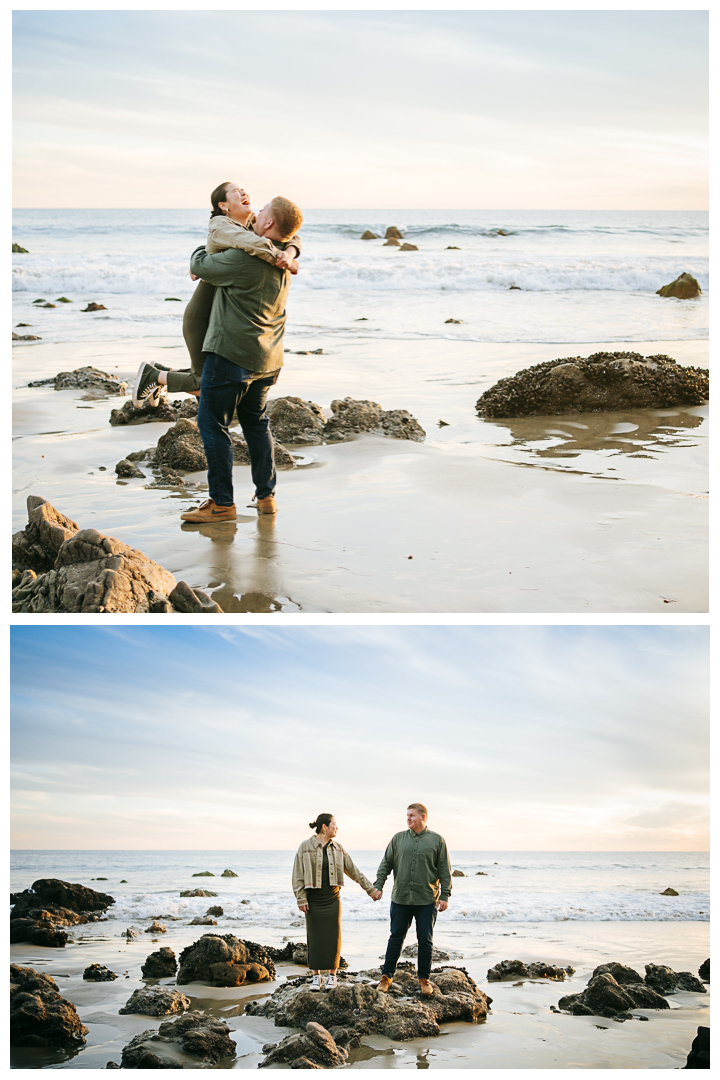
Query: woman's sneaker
{"type": "Point", "coordinates": [147, 389]}
{"type": "Point", "coordinates": [316, 983]}
{"type": "Point", "coordinates": [331, 982]}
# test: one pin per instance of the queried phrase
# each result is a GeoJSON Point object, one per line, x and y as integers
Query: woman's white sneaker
{"type": "Point", "coordinates": [316, 983]}
{"type": "Point", "coordinates": [331, 982]}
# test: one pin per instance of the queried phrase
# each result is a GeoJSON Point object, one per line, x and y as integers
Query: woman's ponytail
{"type": "Point", "coordinates": [322, 819]}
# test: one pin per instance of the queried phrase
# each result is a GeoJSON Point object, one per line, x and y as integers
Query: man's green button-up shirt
{"type": "Point", "coordinates": [420, 866]}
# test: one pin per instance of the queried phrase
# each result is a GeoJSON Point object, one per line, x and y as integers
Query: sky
{"type": "Point", "coordinates": [362, 109]}
{"type": "Point", "coordinates": [231, 737]}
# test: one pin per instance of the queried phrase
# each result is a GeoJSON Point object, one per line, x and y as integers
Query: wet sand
{"type": "Point", "coordinates": [584, 513]}
{"type": "Point", "coordinates": [520, 1032]}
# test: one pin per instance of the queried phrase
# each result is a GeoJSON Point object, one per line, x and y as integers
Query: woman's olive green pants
{"type": "Point", "coordinates": [195, 323]}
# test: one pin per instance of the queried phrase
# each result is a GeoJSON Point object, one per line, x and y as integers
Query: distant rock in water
{"type": "Point", "coordinates": [63, 300]}
{"type": "Point", "coordinates": [367, 235]}
{"type": "Point", "coordinates": [516, 969]}
{"type": "Point", "coordinates": [39, 1016]}
{"type": "Point", "coordinates": [224, 961]}
{"type": "Point", "coordinates": [26, 337]}
{"type": "Point", "coordinates": [68, 569]}
{"type": "Point", "coordinates": [458, 873]}
{"type": "Point", "coordinates": [204, 1038]}
{"type": "Point", "coordinates": [85, 378]}
{"type": "Point", "coordinates": [351, 416]}
{"type": "Point", "coordinates": [601, 382]}
{"type": "Point", "coordinates": [458, 322]}
{"type": "Point", "coordinates": [684, 287]}
{"type": "Point", "coordinates": [17, 250]}
{"type": "Point", "coordinates": [92, 306]}
{"type": "Point", "coordinates": [198, 892]}
{"type": "Point", "coordinates": [160, 964]}
{"type": "Point", "coordinates": [204, 873]}
{"type": "Point", "coordinates": [392, 242]}
{"type": "Point", "coordinates": [156, 1001]}
{"type": "Point", "coordinates": [225, 873]}
{"type": "Point", "coordinates": [669, 892]}
{"type": "Point", "coordinates": [177, 298]}
{"type": "Point", "coordinates": [98, 973]}
{"type": "Point", "coordinates": [216, 910]}
{"type": "Point", "coordinates": [409, 247]}
{"type": "Point", "coordinates": [203, 920]}
{"type": "Point", "coordinates": [699, 1056]}
{"type": "Point", "coordinates": [392, 233]}
{"type": "Point", "coordinates": [156, 928]}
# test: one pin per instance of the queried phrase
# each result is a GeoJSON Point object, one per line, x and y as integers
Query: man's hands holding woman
{"type": "Point", "coordinates": [286, 261]}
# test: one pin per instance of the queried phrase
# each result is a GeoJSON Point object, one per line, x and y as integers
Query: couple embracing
{"type": "Point", "coordinates": [233, 328]}
{"type": "Point", "coordinates": [418, 860]}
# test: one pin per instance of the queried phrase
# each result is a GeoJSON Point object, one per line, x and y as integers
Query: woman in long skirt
{"type": "Point", "coordinates": [318, 875]}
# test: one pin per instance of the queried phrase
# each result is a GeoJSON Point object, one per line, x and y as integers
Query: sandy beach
{"type": "Point", "coordinates": [583, 513]}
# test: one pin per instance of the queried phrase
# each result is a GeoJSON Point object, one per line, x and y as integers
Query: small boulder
{"type": "Point", "coordinates": [165, 413]}
{"type": "Point", "coordinates": [156, 1001]}
{"type": "Point", "coordinates": [228, 873]}
{"type": "Point", "coordinates": [63, 300]}
{"type": "Point", "coordinates": [392, 242]}
{"type": "Point", "coordinates": [25, 337]}
{"type": "Point", "coordinates": [176, 298]}
{"type": "Point", "coordinates": [293, 420]}
{"type": "Point", "coordinates": [684, 287]}
{"type": "Point", "coordinates": [49, 305]}
{"type": "Point", "coordinates": [315, 1049]}
{"type": "Point", "coordinates": [85, 378]}
{"type": "Point", "coordinates": [98, 973]}
{"type": "Point", "coordinates": [127, 470]}
{"type": "Point", "coordinates": [92, 306]}
{"type": "Point", "coordinates": [203, 920]}
{"type": "Point", "coordinates": [669, 892]}
{"type": "Point", "coordinates": [131, 933]}
{"type": "Point", "coordinates": [204, 1038]}
{"type": "Point", "coordinates": [480, 873]}
{"type": "Point", "coordinates": [689, 983]}
{"type": "Point", "coordinates": [224, 961]}
{"type": "Point", "coordinates": [17, 250]}
{"type": "Point", "coordinates": [351, 416]}
{"type": "Point", "coordinates": [197, 892]}
{"type": "Point", "coordinates": [393, 234]}
{"type": "Point", "coordinates": [409, 247]}
{"type": "Point", "coordinates": [458, 873]}
{"type": "Point", "coordinates": [704, 971]}
{"type": "Point", "coordinates": [156, 928]}
{"type": "Point", "coordinates": [160, 964]}
{"type": "Point", "coordinates": [516, 969]}
{"type": "Point", "coordinates": [367, 235]}
{"type": "Point", "coordinates": [458, 322]}
{"type": "Point", "coordinates": [39, 1015]}
{"type": "Point", "coordinates": [453, 247]}
{"type": "Point", "coordinates": [437, 954]}
{"type": "Point", "coordinates": [215, 910]}
{"type": "Point", "coordinates": [204, 873]}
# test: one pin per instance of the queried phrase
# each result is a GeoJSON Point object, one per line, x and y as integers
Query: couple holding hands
{"type": "Point", "coordinates": [422, 883]}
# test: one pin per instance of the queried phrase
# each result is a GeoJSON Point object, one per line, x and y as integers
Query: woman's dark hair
{"type": "Point", "coordinates": [322, 819]}
{"type": "Point", "coordinates": [218, 196]}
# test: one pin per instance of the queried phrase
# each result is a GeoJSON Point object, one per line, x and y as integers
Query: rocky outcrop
{"type": "Point", "coordinates": [215, 910]}
{"type": "Point", "coordinates": [39, 1015]}
{"type": "Point", "coordinates": [704, 971]}
{"type": "Point", "coordinates": [666, 981]}
{"type": "Point", "coordinates": [17, 250]}
{"type": "Point", "coordinates": [669, 892]}
{"type": "Point", "coordinates": [367, 235]}
{"type": "Point", "coordinates": [601, 382]}
{"type": "Point", "coordinates": [606, 996]}
{"type": "Point", "coordinates": [699, 1056]}
{"type": "Point", "coordinates": [351, 416]}
{"type": "Point", "coordinates": [198, 892]}
{"type": "Point", "coordinates": [92, 306]}
{"type": "Point", "coordinates": [293, 420]}
{"type": "Point", "coordinates": [98, 973]}
{"type": "Point", "coordinates": [204, 873]}
{"type": "Point", "coordinates": [437, 954]}
{"type": "Point", "coordinates": [393, 233]}
{"type": "Point", "coordinates": [25, 337]}
{"type": "Point", "coordinates": [156, 1001]}
{"type": "Point", "coordinates": [85, 378]}
{"type": "Point", "coordinates": [224, 961]}
{"type": "Point", "coordinates": [684, 287]}
{"type": "Point", "coordinates": [203, 920]}
{"type": "Point", "coordinates": [317, 1048]}
{"type": "Point", "coordinates": [160, 964]}
{"type": "Point", "coordinates": [227, 873]}
{"type": "Point", "coordinates": [204, 1038]}
{"type": "Point", "coordinates": [166, 412]}
{"type": "Point", "coordinates": [409, 247]}
{"type": "Point", "coordinates": [516, 969]}
{"type": "Point", "coordinates": [392, 242]}
{"type": "Point", "coordinates": [50, 903]}
{"type": "Point", "coordinates": [82, 570]}
{"type": "Point", "coordinates": [358, 1007]}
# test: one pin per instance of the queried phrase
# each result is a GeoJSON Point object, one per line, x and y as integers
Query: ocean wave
{"type": "Point", "coordinates": [380, 271]}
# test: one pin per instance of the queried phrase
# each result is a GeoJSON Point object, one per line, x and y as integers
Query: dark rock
{"type": "Point", "coordinates": [156, 1001]}
{"type": "Point", "coordinates": [626, 976]}
{"type": "Point", "coordinates": [204, 873]}
{"type": "Point", "coordinates": [49, 305]}
{"type": "Point", "coordinates": [409, 247]}
{"type": "Point", "coordinates": [197, 892]}
{"type": "Point", "coordinates": [26, 337]}
{"type": "Point", "coordinates": [699, 1056]}
{"type": "Point", "coordinates": [164, 413]}
{"type": "Point", "coordinates": [63, 300]}
{"type": "Point", "coordinates": [23, 324]}
{"type": "Point", "coordinates": [177, 298]}
{"type": "Point", "coordinates": [204, 1038]}
{"type": "Point", "coordinates": [127, 470]}
{"type": "Point", "coordinates": [456, 321]}
{"type": "Point", "coordinates": [516, 969]}
{"type": "Point", "coordinates": [684, 287]}
{"type": "Point", "coordinates": [181, 448]}
{"type": "Point", "coordinates": [39, 1016]}
{"type": "Point", "coordinates": [203, 920]}
{"type": "Point", "coordinates": [704, 971]}
{"type": "Point", "coordinates": [517, 287]}
{"type": "Point", "coordinates": [604, 996]}
{"type": "Point", "coordinates": [215, 910]}
{"type": "Point", "coordinates": [92, 306]}
{"type": "Point", "coordinates": [160, 964]}
{"type": "Point", "coordinates": [316, 1046]}
{"type": "Point", "coordinates": [356, 1006]}
{"type": "Point", "coordinates": [156, 928]}
{"type": "Point", "coordinates": [224, 961]}
{"type": "Point", "coordinates": [688, 982]}
{"type": "Point", "coordinates": [351, 416]}
{"type": "Point", "coordinates": [40, 300]}
{"type": "Point", "coordinates": [131, 933]}
{"type": "Point", "coordinates": [480, 873]}
{"type": "Point", "coordinates": [453, 247]}
{"type": "Point", "coordinates": [192, 601]}
{"type": "Point", "coordinates": [51, 891]}
{"type": "Point", "coordinates": [85, 378]}
{"type": "Point", "coordinates": [603, 381]}
{"type": "Point", "coordinates": [393, 233]}
{"type": "Point", "coordinates": [367, 235]}
{"type": "Point", "coordinates": [37, 930]}
{"type": "Point", "coordinates": [293, 420]}
{"type": "Point", "coordinates": [228, 873]}
{"type": "Point", "coordinates": [392, 242]}
{"type": "Point", "coordinates": [98, 973]}
{"type": "Point", "coordinates": [661, 978]}
{"type": "Point", "coordinates": [457, 873]}
{"type": "Point", "coordinates": [17, 250]}
{"type": "Point", "coordinates": [669, 892]}
{"type": "Point", "coordinates": [500, 232]}
{"type": "Point", "coordinates": [295, 953]}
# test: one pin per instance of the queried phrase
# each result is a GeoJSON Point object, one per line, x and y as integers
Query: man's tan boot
{"type": "Point", "coordinates": [266, 506]}
{"type": "Point", "coordinates": [210, 511]}
{"type": "Point", "coordinates": [385, 984]}
{"type": "Point", "coordinates": [425, 987]}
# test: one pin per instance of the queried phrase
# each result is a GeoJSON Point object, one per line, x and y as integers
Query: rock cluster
{"type": "Point", "coordinates": [224, 961]}
{"type": "Point", "coordinates": [156, 1001]}
{"type": "Point", "coordinates": [98, 973]}
{"type": "Point", "coordinates": [39, 1015]}
{"type": "Point", "coordinates": [166, 412]}
{"type": "Point", "coordinates": [317, 1048]}
{"type": "Point", "coordinates": [204, 1038]}
{"type": "Point", "coordinates": [293, 420]}
{"type": "Point", "coordinates": [85, 378]}
{"type": "Point", "coordinates": [614, 989]}
{"type": "Point", "coordinates": [601, 382]}
{"type": "Point", "coordinates": [684, 287]}
{"type": "Point", "coordinates": [357, 1006]}
{"type": "Point", "coordinates": [50, 903]}
{"type": "Point", "coordinates": [352, 416]}
{"type": "Point", "coordinates": [516, 969]}
{"type": "Point", "coordinates": [160, 964]}
{"type": "Point", "coordinates": [82, 570]}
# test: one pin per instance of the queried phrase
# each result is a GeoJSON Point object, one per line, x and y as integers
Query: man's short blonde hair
{"type": "Point", "coordinates": [419, 807]}
{"type": "Point", "coordinates": [286, 215]}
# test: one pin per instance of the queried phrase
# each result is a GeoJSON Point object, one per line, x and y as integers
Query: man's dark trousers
{"type": "Point", "coordinates": [401, 916]}
{"type": "Point", "coordinates": [225, 387]}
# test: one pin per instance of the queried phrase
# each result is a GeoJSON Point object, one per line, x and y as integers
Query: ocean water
{"type": "Point", "coordinates": [519, 887]}
{"type": "Point", "coordinates": [518, 276]}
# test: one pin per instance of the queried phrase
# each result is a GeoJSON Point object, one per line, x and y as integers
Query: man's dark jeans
{"type": "Point", "coordinates": [225, 387]}
{"type": "Point", "coordinates": [401, 916]}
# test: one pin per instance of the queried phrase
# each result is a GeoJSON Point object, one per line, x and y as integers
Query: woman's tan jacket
{"type": "Point", "coordinates": [307, 868]}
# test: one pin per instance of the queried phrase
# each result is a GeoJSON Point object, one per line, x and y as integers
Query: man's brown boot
{"type": "Point", "coordinates": [385, 984]}
{"type": "Point", "coordinates": [266, 506]}
{"type": "Point", "coordinates": [425, 987]}
{"type": "Point", "coordinates": [210, 511]}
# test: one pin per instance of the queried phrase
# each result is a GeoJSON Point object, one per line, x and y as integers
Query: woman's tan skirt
{"type": "Point", "coordinates": [323, 928]}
